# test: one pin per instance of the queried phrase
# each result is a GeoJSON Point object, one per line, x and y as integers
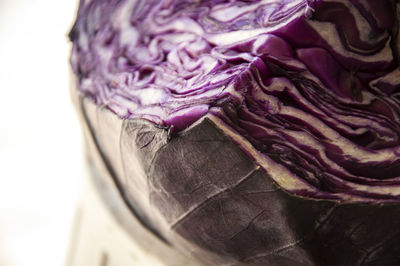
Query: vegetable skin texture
{"type": "Point", "coordinates": [292, 157]}
{"type": "Point", "coordinates": [241, 217]}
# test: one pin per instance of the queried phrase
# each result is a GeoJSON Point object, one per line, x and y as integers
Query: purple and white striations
{"type": "Point", "coordinates": [314, 86]}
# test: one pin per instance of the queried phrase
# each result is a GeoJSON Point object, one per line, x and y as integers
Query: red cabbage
{"type": "Point", "coordinates": [256, 132]}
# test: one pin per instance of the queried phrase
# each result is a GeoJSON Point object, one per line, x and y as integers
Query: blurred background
{"type": "Point", "coordinates": [40, 143]}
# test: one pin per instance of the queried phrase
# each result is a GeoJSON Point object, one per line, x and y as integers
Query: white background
{"type": "Point", "coordinates": [41, 154]}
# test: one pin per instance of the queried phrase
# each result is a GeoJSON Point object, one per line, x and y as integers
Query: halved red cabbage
{"type": "Point", "coordinates": [258, 132]}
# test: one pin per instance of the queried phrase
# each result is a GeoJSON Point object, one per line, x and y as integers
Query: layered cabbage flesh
{"type": "Point", "coordinates": [309, 89]}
